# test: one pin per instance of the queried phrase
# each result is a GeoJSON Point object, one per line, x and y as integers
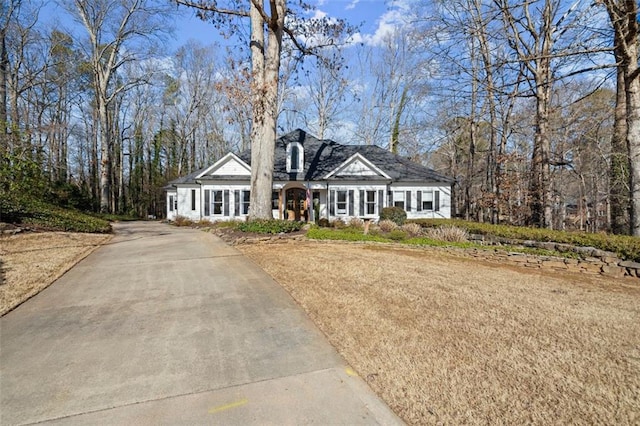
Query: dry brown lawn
{"type": "Point", "coordinates": [32, 261]}
{"type": "Point", "coordinates": [446, 340]}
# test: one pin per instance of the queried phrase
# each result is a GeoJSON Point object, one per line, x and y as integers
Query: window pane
{"type": "Point", "coordinates": [427, 200]}
{"type": "Point", "coordinates": [217, 202]}
{"type": "Point", "coordinates": [371, 202]}
{"type": "Point", "coordinates": [341, 203]}
{"type": "Point", "coordinates": [294, 157]}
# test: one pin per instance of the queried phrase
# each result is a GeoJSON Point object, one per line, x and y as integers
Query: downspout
{"type": "Point", "coordinates": [328, 201]}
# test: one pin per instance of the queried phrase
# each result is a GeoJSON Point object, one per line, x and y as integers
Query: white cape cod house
{"type": "Point", "coordinates": [340, 182]}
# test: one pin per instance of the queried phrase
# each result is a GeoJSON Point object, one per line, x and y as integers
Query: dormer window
{"type": "Point", "coordinates": [295, 157]}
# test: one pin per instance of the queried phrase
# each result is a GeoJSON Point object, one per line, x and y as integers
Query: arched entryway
{"type": "Point", "coordinates": [296, 206]}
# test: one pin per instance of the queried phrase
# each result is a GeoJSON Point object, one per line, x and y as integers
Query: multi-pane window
{"type": "Point", "coordinates": [246, 196]}
{"type": "Point", "coordinates": [275, 200]}
{"type": "Point", "coordinates": [430, 201]}
{"type": "Point", "coordinates": [427, 200]}
{"type": "Point", "coordinates": [398, 199]}
{"type": "Point", "coordinates": [172, 203]}
{"type": "Point", "coordinates": [370, 202]}
{"type": "Point", "coordinates": [295, 157]}
{"type": "Point", "coordinates": [341, 202]}
{"type": "Point", "coordinates": [217, 202]}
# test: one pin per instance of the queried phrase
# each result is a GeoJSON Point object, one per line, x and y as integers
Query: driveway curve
{"type": "Point", "coordinates": [169, 325]}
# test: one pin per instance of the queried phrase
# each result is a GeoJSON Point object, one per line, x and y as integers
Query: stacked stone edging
{"type": "Point", "coordinates": [592, 261]}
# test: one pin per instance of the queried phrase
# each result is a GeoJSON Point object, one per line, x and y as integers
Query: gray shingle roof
{"type": "Point", "coordinates": [321, 157]}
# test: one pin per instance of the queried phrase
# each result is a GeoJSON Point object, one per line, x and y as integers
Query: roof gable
{"type": "Point", "coordinates": [229, 165]}
{"type": "Point", "coordinates": [357, 166]}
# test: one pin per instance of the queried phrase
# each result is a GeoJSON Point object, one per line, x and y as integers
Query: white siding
{"type": "Point", "coordinates": [443, 210]}
{"type": "Point", "coordinates": [231, 168]}
{"type": "Point", "coordinates": [185, 202]}
{"type": "Point", "coordinates": [357, 168]}
{"type": "Point", "coordinates": [171, 210]}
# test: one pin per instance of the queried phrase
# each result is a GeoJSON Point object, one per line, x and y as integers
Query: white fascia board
{"type": "Point", "coordinates": [223, 160]}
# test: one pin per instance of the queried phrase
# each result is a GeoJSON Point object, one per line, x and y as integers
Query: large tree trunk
{"type": "Point", "coordinates": [632, 86]}
{"type": "Point", "coordinates": [619, 166]}
{"type": "Point", "coordinates": [623, 15]}
{"type": "Point", "coordinates": [265, 65]}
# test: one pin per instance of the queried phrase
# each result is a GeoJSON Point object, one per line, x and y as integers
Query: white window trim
{"type": "Point", "coordinates": [338, 211]}
{"type": "Point", "coordinates": [396, 199]}
{"type": "Point", "coordinates": [374, 202]}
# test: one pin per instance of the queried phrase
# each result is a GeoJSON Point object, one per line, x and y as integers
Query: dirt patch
{"type": "Point", "coordinates": [32, 261]}
{"type": "Point", "coordinates": [445, 340]}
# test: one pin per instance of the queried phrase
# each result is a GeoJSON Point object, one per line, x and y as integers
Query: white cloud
{"type": "Point", "coordinates": [398, 16]}
{"type": "Point", "coordinates": [352, 5]}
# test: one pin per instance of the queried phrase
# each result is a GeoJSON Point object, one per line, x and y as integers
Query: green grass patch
{"type": "Point", "coordinates": [345, 234]}
{"type": "Point", "coordinates": [272, 226]}
{"type": "Point", "coordinates": [39, 214]}
{"type": "Point", "coordinates": [354, 234]}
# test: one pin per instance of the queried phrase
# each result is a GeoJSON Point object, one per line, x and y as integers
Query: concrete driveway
{"type": "Point", "coordinates": [169, 325]}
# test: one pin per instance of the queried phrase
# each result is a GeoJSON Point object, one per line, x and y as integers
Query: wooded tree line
{"type": "Point", "coordinates": [533, 106]}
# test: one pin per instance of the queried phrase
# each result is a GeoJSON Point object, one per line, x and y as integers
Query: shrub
{"type": "Point", "coordinates": [356, 222]}
{"type": "Point", "coordinates": [387, 225]}
{"type": "Point", "coordinates": [271, 226]}
{"type": "Point", "coordinates": [395, 214]}
{"type": "Point", "coordinates": [338, 224]}
{"type": "Point", "coordinates": [182, 221]}
{"type": "Point", "coordinates": [397, 235]}
{"type": "Point", "coordinates": [448, 233]}
{"type": "Point", "coordinates": [205, 223]}
{"type": "Point", "coordinates": [412, 229]}
{"type": "Point", "coordinates": [324, 222]}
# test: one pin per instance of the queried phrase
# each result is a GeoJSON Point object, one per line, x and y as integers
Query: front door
{"type": "Point", "coordinates": [296, 209]}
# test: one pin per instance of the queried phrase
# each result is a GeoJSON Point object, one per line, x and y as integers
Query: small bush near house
{"type": "Point", "coordinates": [412, 229]}
{"type": "Point", "coordinates": [356, 222]}
{"type": "Point", "coordinates": [182, 221]}
{"type": "Point", "coordinates": [272, 226]}
{"type": "Point", "coordinates": [387, 225]}
{"type": "Point", "coordinates": [448, 233]}
{"type": "Point", "coordinates": [395, 214]}
{"type": "Point", "coordinates": [323, 222]}
{"type": "Point", "coordinates": [338, 224]}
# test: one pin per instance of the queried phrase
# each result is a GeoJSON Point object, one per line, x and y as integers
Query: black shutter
{"type": "Point", "coordinates": [193, 199]}
{"type": "Point", "coordinates": [207, 203]}
{"type": "Point", "coordinates": [236, 203]}
{"type": "Point", "coordinates": [390, 203]}
{"type": "Point", "coordinates": [332, 204]}
{"type": "Point", "coordinates": [419, 201]}
{"type": "Point", "coordinates": [226, 202]}
{"type": "Point", "coordinates": [407, 202]}
{"type": "Point", "coordinates": [436, 201]}
{"type": "Point", "coordinates": [361, 203]}
{"type": "Point", "coordinates": [380, 201]}
{"type": "Point", "coordinates": [351, 201]}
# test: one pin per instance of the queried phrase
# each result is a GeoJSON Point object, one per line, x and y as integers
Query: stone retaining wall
{"type": "Point", "coordinates": [593, 261]}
